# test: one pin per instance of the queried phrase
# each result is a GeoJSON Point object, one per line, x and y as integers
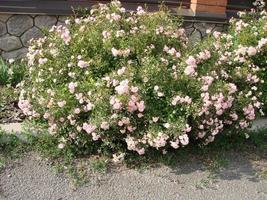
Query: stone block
{"type": "Point", "coordinates": [32, 33]}
{"type": "Point", "coordinates": [4, 17]}
{"type": "Point", "coordinates": [16, 54]}
{"type": "Point", "coordinates": [9, 43]}
{"type": "Point", "coordinates": [3, 30]}
{"type": "Point", "coordinates": [44, 21]}
{"type": "Point", "coordinates": [18, 24]}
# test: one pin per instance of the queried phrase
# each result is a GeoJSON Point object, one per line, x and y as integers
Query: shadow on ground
{"type": "Point", "coordinates": [232, 168]}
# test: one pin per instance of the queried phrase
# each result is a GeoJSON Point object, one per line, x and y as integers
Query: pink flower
{"type": "Point", "coordinates": [104, 125]}
{"type": "Point", "coordinates": [249, 111]}
{"type": "Point", "coordinates": [178, 55]}
{"type": "Point", "coordinates": [141, 151]}
{"type": "Point", "coordinates": [61, 146]}
{"type": "Point", "coordinates": [126, 120]}
{"type": "Point", "coordinates": [204, 55]}
{"type": "Point", "coordinates": [184, 139]}
{"type": "Point", "coordinates": [167, 125]}
{"type": "Point", "coordinates": [140, 10]}
{"type": "Point", "coordinates": [65, 35]}
{"type": "Point", "coordinates": [61, 104]}
{"type": "Point", "coordinates": [191, 61]}
{"type": "Point", "coordinates": [216, 34]}
{"type": "Point", "coordinates": [130, 129]}
{"type": "Point", "coordinates": [140, 115]}
{"type": "Point", "coordinates": [117, 106]}
{"type": "Point", "coordinates": [175, 144]}
{"type": "Point", "coordinates": [201, 134]}
{"type": "Point", "coordinates": [252, 51]}
{"type": "Point", "coordinates": [187, 128]}
{"type": "Point", "coordinates": [243, 124]}
{"type": "Point", "coordinates": [118, 158]}
{"type": "Point", "coordinates": [115, 16]}
{"type": "Point", "coordinates": [155, 119]}
{"type": "Point", "coordinates": [187, 100]}
{"type": "Point", "coordinates": [262, 42]}
{"type": "Point", "coordinates": [140, 106]}
{"type": "Point", "coordinates": [88, 128]}
{"type": "Point", "coordinates": [88, 107]}
{"type": "Point", "coordinates": [46, 115]}
{"type": "Point", "coordinates": [25, 106]}
{"type": "Point", "coordinates": [232, 88]}
{"type": "Point", "coordinates": [72, 87]}
{"type": "Point", "coordinates": [83, 64]}
{"type": "Point", "coordinates": [131, 106]}
{"type": "Point", "coordinates": [115, 52]}
{"type": "Point", "coordinates": [42, 61]}
{"type": "Point", "coordinates": [77, 110]}
{"type": "Point", "coordinates": [121, 71]}
{"type": "Point", "coordinates": [189, 70]}
{"type": "Point", "coordinates": [106, 34]}
{"type": "Point", "coordinates": [123, 87]}
{"type": "Point", "coordinates": [95, 137]}
{"type": "Point", "coordinates": [134, 89]}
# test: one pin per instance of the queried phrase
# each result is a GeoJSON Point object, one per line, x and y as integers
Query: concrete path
{"type": "Point", "coordinates": [32, 179]}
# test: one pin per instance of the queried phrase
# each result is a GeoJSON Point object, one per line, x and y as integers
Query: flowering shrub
{"type": "Point", "coordinates": [244, 47]}
{"type": "Point", "coordinates": [126, 81]}
{"type": "Point", "coordinates": [248, 36]}
{"type": "Point", "coordinates": [237, 61]}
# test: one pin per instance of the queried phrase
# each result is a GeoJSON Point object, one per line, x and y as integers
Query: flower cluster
{"type": "Point", "coordinates": [126, 81]}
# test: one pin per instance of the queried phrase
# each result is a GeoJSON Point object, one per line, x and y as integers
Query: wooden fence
{"type": "Point", "coordinates": [63, 7]}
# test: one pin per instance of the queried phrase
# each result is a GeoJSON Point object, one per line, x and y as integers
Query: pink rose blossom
{"type": "Point", "coordinates": [134, 89]}
{"type": "Point", "coordinates": [132, 106]}
{"type": "Point", "coordinates": [184, 139]}
{"type": "Point", "coordinates": [191, 61]}
{"type": "Point", "coordinates": [175, 144]}
{"type": "Point", "coordinates": [140, 106]}
{"type": "Point", "coordinates": [95, 136]}
{"type": "Point", "coordinates": [88, 128]}
{"type": "Point", "coordinates": [61, 104]}
{"type": "Point", "coordinates": [155, 119]}
{"type": "Point", "coordinates": [104, 125]}
{"type": "Point", "coordinates": [72, 87]}
{"type": "Point", "coordinates": [123, 87]}
{"type": "Point", "coordinates": [83, 64]}
{"type": "Point", "coordinates": [121, 71]}
{"type": "Point", "coordinates": [189, 70]}
{"type": "Point", "coordinates": [141, 151]}
{"type": "Point", "coordinates": [115, 52]}
{"type": "Point", "coordinates": [77, 110]}
{"type": "Point", "coordinates": [252, 51]}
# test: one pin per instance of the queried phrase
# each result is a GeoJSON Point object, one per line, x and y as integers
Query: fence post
{"type": "Point", "coordinates": [208, 7]}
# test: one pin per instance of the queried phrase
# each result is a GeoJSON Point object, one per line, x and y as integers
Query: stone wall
{"type": "Point", "coordinates": [196, 30]}
{"type": "Point", "coordinates": [17, 30]}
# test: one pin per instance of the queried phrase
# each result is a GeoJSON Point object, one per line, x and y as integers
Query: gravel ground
{"type": "Point", "coordinates": [31, 178]}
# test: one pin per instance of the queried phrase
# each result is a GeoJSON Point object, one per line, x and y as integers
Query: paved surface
{"type": "Point", "coordinates": [32, 179]}
{"type": "Point", "coordinates": [11, 127]}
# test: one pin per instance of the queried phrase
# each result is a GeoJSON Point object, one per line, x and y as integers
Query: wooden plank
{"type": "Point", "coordinates": [63, 7]}
{"type": "Point", "coordinates": [238, 5]}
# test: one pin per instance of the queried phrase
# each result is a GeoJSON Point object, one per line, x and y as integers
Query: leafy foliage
{"type": "Point", "coordinates": [122, 81]}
